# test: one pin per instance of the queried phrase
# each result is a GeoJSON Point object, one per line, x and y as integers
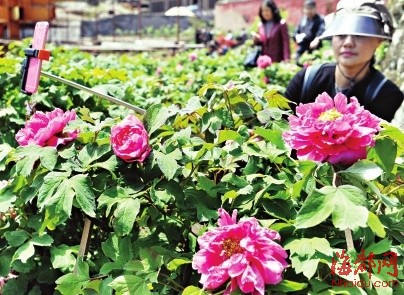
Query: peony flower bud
{"type": "Point", "coordinates": [130, 140]}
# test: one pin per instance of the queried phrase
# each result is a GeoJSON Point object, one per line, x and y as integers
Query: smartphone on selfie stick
{"type": "Point", "coordinates": [31, 69]}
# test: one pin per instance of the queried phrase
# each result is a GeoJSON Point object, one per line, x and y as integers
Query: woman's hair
{"type": "Point", "coordinates": [275, 11]}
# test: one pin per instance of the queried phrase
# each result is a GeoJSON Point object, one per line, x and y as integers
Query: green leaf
{"type": "Point", "coordinates": [111, 247]}
{"type": "Point", "coordinates": [5, 149]}
{"type": "Point", "coordinates": [125, 215]}
{"type": "Point", "coordinates": [15, 286]}
{"type": "Point", "coordinates": [130, 285]}
{"type": "Point", "coordinates": [317, 207]}
{"type": "Point", "coordinates": [288, 286]}
{"type": "Point", "coordinates": [151, 258]}
{"type": "Point", "coordinates": [109, 164]}
{"type": "Point", "coordinates": [7, 199]}
{"type": "Point", "coordinates": [192, 290]}
{"type": "Point", "coordinates": [17, 237]}
{"type": "Point", "coordinates": [207, 185]}
{"type": "Point", "coordinates": [155, 117]}
{"type": "Point", "coordinates": [92, 152]}
{"type": "Point", "coordinates": [384, 153]}
{"type": "Point", "coordinates": [49, 187]}
{"type": "Point", "coordinates": [364, 170]}
{"type": "Point", "coordinates": [62, 257]}
{"type": "Point", "coordinates": [177, 262]}
{"type": "Point", "coordinates": [273, 136]}
{"type": "Point", "coordinates": [82, 186]}
{"type": "Point", "coordinates": [108, 267]}
{"type": "Point", "coordinates": [5, 262]}
{"type": "Point", "coordinates": [64, 196]}
{"type": "Point", "coordinates": [134, 265]}
{"type": "Point", "coordinates": [305, 247]}
{"type": "Point", "coordinates": [82, 269]}
{"type": "Point", "coordinates": [375, 224]}
{"type": "Point", "coordinates": [350, 208]}
{"type": "Point", "coordinates": [42, 240]}
{"type": "Point", "coordinates": [125, 253]}
{"type": "Point", "coordinates": [165, 192]}
{"type": "Point", "coordinates": [49, 157]}
{"type": "Point", "coordinates": [306, 266]}
{"type": "Point", "coordinates": [25, 166]}
{"type": "Point", "coordinates": [276, 100]}
{"type": "Point", "coordinates": [379, 248]}
{"type": "Point", "coordinates": [225, 135]}
{"type": "Point", "coordinates": [346, 203]}
{"type": "Point", "coordinates": [70, 284]}
{"type": "Point", "coordinates": [167, 164]}
{"type": "Point", "coordinates": [24, 252]}
{"type": "Point", "coordinates": [393, 132]}
{"type": "Point", "coordinates": [110, 197]}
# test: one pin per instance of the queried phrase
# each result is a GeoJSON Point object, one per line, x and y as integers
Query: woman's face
{"type": "Point", "coordinates": [266, 13]}
{"type": "Point", "coordinates": [352, 50]}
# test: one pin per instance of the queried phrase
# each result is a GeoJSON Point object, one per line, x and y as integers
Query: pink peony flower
{"type": "Point", "coordinates": [244, 253]}
{"type": "Point", "coordinates": [332, 130]}
{"type": "Point", "coordinates": [264, 61]}
{"type": "Point", "coordinates": [46, 129]}
{"type": "Point", "coordinates": [192, 56]}
{"type": "Point", "coordinates": [159, 71]}
{"type": "Point", "coordinates": [130, 140]}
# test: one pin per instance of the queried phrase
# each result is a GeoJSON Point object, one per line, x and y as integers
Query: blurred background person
{"type": "Point", "coordinates": [272, 33]}
{"type": "Point", "coordinates": [308, 31]}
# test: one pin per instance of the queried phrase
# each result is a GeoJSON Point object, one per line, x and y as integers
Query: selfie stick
{"type": "Point", "coordinates": [31, 69]}
{"type": "Point", "coordinates": [91, 91]}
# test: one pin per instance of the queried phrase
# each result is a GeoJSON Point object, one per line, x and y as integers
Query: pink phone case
{"type": "Point", "coordinates": [34, 69]}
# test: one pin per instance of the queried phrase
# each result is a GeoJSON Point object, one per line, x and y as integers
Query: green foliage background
{"type": "Point", "coordinates": [215, 144]}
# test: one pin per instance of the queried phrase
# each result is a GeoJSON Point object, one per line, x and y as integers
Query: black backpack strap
{"type": "Point", "coordinates": [374, 87]}
{"type": "Point", "coordinates": [309, 75]}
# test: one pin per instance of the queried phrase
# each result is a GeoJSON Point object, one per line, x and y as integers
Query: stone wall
{"type": "Point", "coordinates": [393, 65]}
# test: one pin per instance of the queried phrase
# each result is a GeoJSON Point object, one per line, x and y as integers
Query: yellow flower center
{"type": "Point", "coordinates": [330, 115]}
{"type": "Point", "coordinates": [231, 246]}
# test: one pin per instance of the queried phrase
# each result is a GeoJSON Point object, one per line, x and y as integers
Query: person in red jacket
{"type": "Point", "coordinates": [273, 33]}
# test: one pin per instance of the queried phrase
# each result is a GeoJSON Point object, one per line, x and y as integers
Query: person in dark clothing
{"type": "Point", "coordinates": [272, 35]}
{"type": "Point", "coordinates": [356, 32]}
{"type": "Point", "coordinates": [310, 28]}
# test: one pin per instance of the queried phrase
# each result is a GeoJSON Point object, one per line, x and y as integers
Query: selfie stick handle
{"type": "Point", "coordinates": [91, 91]}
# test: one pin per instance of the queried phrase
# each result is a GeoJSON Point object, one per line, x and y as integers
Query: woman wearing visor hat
{"type": "Point", "coordinates": [355, 33]}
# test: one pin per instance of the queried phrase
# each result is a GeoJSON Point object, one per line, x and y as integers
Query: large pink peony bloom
{"type": "Point", "coordinates": [332, 130]}
{"type": "Point", "coordinates": [264, 61]}
{"type": "Point", "coordinates": [244, 253]}
{"type": "Point", "coordinates": [46, 129]}
{"type": "Point", "coordinates": [130, 140]}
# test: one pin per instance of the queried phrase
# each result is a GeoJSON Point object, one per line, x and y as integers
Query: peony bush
{"type": "Point", "coordinates": [201, 196]}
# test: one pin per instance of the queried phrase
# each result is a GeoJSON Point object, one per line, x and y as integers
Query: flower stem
{"type": "Point", "coordinates": [228, 105]}
{"type": "Point", "coordinates": [336, 181]}
{"type": "Point", "coordinates": [177, 287]}
{"type": "Point", "coordinates": [348, 238]}
{"type": "Point", "coordinates": [375, 206]}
